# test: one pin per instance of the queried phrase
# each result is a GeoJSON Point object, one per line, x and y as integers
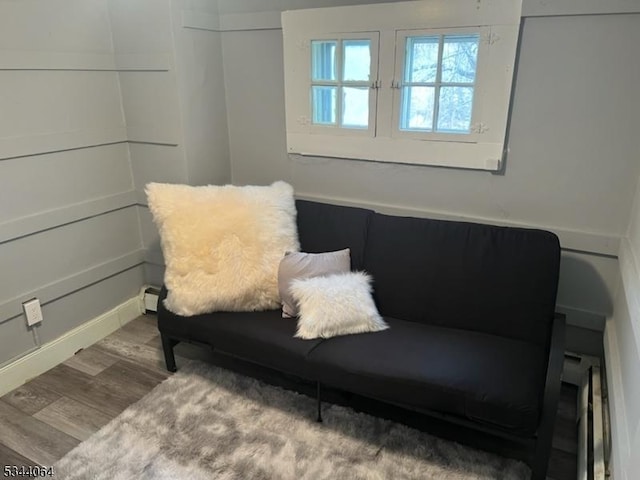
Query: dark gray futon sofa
{"type": "Point", "coordinates": [473, 337]}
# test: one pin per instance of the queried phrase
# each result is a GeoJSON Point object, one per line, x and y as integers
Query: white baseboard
{"type": "Point", "coordinates": [57, 351]}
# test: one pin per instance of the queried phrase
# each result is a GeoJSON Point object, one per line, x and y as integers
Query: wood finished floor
{"type": "Point", "coordinates": [48, 416]}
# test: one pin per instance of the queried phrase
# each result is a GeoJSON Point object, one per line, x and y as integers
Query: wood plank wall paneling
{"type": "Point", "coordinates": [94, 114]}
{"type": "Point", "coordinates": [38, 222]}
{"type": "Point", "coordinates": [69, 230]}
{"type": "Point", "coordinates": [151, 104]}
{"type": "Point", "coordinates": [46, 103]}
{"type": "Point", "coordinates": [54, 290]}
{"type": "Point", "coordinates": [61, 252]}
{"type": "Point", "coordinates": [176, 120]}
{"type": "Point", "coordinates": [56, 181]}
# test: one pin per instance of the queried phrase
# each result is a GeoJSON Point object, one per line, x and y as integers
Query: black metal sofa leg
{"type": "Point", "coordinates": [169, 357]}
{"type": "Point", "coordinates": [319, 419]}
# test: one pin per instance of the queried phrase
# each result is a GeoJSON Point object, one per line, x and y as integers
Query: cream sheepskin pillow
{"type": "Point", "coordinates": [222, 245]}
{"type": "Point", "coordinates": [338, 304]}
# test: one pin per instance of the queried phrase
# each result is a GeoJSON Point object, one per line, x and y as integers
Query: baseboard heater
{"type": "Point", "coordinates": [593, 425]}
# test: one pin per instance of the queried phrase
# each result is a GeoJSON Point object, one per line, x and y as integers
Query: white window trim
{"type": "Point", "coordinates": [473, 136]}
{"type": "Point", "coordinates": [499, 22]}
{"type": "Point", "coordinates": [373, 37]}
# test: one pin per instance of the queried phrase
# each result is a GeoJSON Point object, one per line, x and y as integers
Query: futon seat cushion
{"type": "Point", "coordinates": [478, 376]}
{"type": "Point", "coordinates": [261, 337]}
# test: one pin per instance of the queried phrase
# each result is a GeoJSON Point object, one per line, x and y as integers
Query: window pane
{"type": "Point", "coordinates": [323, 60]}
{"type": "Point", "coordinates": [356, 60]}
{"type": "Point", "coordinates": [421, 60]}
{"type": "Point", "coordinates": [355, 107]}
{"type": "Point", "coordinates": [417, 108]}
{"type": "Point", "coordinates": [454, 109]}
{"type": "Point", "coordinates": [459, 58]}
{"type": "Point", "coordinates": [324, 105]}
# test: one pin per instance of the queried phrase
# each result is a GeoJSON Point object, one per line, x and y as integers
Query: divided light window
{"type": "Point", "coordinates": [340, 82]}
{"type": "Point", "coordinates": [426, 83]}
{"type": "Point", "coordinates": [341, 74]}
{"type": "Point", "coordinates": [436, 87]}
{"type": "Point", "coordinates": [438, 81]}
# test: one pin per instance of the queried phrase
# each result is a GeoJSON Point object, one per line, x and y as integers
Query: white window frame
{"type": "Point", "coordinates": [479, 86]}
{"type": "Point", "coordinates": [306, 119]}
{"type": "Point", "coordinates": [497, 23]}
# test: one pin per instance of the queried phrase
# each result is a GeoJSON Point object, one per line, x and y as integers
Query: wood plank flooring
{"type": "Point", "coordinates": [48, 416]}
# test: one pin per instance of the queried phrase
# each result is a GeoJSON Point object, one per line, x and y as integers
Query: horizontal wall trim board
{"type": "Point", "coordinates": [161, 144]}
{"type": "Point", "coordinates": [270, 20]}
{"type": "Point", "coordinates": [148, 133]}
{"type": "Point", "coordinates": [578, 317]}
{"type": "Point", "coordinates": [545, 8]}
{"type": "Point", "coordinates": [71, 61]}
{"type": "Point", "coordinates": [200, 20]}
{"type": "Point", "coordinates": [66, 150]}
{"type": "Point", "coordinates": [12, 307]}
{"type": "Point", "coordinates": [571, 240]}
{"type": "Point", "coordinates": [12, 147]}
{"type": "Point", "coordinates": [32, 224]}
{"type": "Point", "coordinates": [57, 351]}
{"type": "Point", "coordinates": [586, 242]}
{"type": "Point", "coordinates": [595, 254]}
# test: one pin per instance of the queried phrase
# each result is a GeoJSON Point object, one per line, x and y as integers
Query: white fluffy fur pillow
{"type": "Point", "coordinates": [338, 304]}
{"type": "Point", "coordinates": [222, 244]}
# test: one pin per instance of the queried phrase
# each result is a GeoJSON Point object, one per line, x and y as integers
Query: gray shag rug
{"type": "Point", "coordinates": [208, 423]}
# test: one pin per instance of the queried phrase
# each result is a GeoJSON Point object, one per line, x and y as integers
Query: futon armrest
{"type": "Point", "coordinates": [554, 367]}
{"type": "Point", "coordinates": [551, 398]}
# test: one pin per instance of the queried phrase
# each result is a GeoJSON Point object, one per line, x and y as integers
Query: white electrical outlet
{"type": "Point", "coordinates": [32, 311]}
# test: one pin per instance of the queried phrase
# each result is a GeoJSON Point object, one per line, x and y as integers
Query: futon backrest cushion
{"type": "Point", "coordinates": [325, 228]}
{"type": "Point", "coordinates": [483, 278]}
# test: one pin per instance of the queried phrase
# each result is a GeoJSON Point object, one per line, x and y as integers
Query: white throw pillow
{"type": "Point", "coordinates": [338, 304]}
{"type": "Point", "coordinates": [222, 245]}
{"type": "Point", "coordinates": [305, 265]}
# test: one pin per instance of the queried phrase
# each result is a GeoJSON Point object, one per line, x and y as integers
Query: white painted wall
{"type": "Point", "coordinates": [572, 161]}
{"type": "Point", "coordinates": [74, 230]}
{"type": "Point", "coordinates": [570, 165]}
{"type": "Point", "coordinates": [110, 95]}
{"type": "Point", "coordinates": [622, 348]}
{"type": "Point", "coordinates": [202, 96]}
{"type": "Point", "coordinates": [68, 225]}
{"type": "Point", "coordinates": [573, 166]}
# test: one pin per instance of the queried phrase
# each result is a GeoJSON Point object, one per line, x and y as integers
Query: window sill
{"type": "Point", "coordinates": [474, 156]}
